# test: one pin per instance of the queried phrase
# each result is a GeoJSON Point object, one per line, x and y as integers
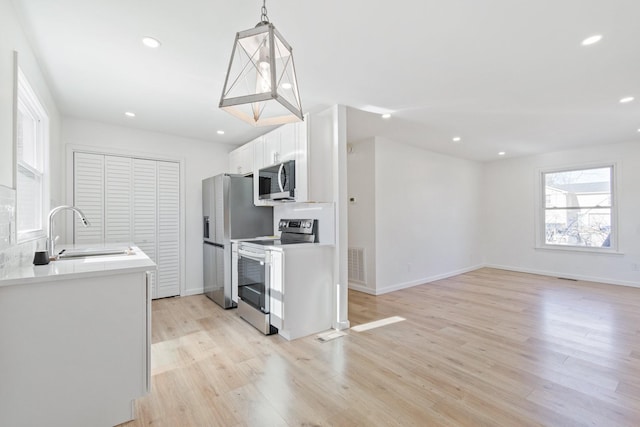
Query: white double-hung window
{"type": "Point", "coordinates": [32, 141]}
{"type": "Point", "coordinates": [578, 208]}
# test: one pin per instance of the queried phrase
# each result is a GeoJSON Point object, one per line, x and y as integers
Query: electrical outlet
{"type": "Point", "coordinates": [408, 268]}
{"type": "Point", "coordinates": [635, 267]}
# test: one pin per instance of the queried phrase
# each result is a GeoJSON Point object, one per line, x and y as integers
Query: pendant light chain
{"type": "Point", "coordinates": [264, 18]}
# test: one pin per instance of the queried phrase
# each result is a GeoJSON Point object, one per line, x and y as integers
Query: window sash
{"type": "Point", "coordinates": [31, 167]}
{"type": "Point", "coordinates": [29, 199]}
{"type": "Point", "coordinates": [588, 233]}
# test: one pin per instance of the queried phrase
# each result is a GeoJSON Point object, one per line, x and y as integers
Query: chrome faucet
{"type": "Point", "coordinates": [51, 241]}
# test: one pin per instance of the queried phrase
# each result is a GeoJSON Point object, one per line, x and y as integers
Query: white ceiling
{"type": "Point", "coordinates": [503, 75]}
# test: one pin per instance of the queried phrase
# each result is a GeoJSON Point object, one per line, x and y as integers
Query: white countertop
{"type": "Point", "coordinates": [75, 268]}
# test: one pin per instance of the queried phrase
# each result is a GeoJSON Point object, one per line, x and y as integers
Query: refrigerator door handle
{"type": "Point", "coordinates": [214, 244]}
{"type": "Point", "coordinates": [206, 227]}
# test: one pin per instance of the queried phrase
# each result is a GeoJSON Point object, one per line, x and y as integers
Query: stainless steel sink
{"type": "Point", "coordinates": [91, 252]}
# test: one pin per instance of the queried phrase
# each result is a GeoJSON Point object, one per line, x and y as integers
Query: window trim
{"type": "Point", "coordinates": [540, 209]}
{"type": "Point", "coordinates": [25, 94]}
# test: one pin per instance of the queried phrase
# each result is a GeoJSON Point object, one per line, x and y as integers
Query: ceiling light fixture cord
{"type": "Point", "coordinates": [264, 18]}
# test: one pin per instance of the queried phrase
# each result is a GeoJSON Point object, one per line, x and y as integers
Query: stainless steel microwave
{"type": "Point", "coordinates": [277, 182]}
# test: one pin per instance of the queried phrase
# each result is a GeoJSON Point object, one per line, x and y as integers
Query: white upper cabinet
{"type": "Point", "coordinates": [280, 145]}
{"type": "Point", "coordinates": [288, 142]}
{"type": "Point", "coordinates": [271, 147]}
{"type": "Point", "coordinates": [241, 160]}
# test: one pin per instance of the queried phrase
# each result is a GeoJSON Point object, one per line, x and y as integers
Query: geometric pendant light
{"type": "Point", "coordinates": [261, 86]}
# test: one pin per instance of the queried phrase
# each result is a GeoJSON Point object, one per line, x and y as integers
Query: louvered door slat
{"type": "Point", "coordinates": [118, 194]}
{"type": "Point", "coordinates": [168, 229]}
{"type": "Point", "coordinates": [88, 186]}
{"type": "Point", "coordinates": [145, 222]}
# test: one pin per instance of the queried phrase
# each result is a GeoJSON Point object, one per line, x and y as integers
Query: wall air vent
{"type": "Point", "coordinates": [356, 266]}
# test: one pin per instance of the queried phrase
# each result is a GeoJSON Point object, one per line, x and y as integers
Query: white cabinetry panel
{"type": "Point", "coordinates": [88, 195]}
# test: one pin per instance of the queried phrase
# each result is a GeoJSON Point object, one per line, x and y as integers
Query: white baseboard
{"type": "Point", "coordinates": [422, 281]}
{"type": "Point", "coordinates": [189, 292]}
{"type": "Point", "coordinates": [605, 280]}
{"type": "Point", "coordinates": [404, 285]}
{"type": "Point", "coordinates": [361, 288]}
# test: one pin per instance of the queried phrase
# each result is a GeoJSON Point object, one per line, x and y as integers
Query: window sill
{"type": "Point", "coordinates": [29, 236]}
{"type": "Point", "coordinates": [579, 249]}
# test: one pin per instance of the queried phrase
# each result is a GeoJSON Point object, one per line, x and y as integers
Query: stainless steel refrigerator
{"type": "Point", "coordinates": [228, 213]}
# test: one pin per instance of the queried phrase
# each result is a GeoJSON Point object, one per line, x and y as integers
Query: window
{"type": "Point", "coordinates": [32, 139]}
{"type": "Point", "coordinates": [578, 208]}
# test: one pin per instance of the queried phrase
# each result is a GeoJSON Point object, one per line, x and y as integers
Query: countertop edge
{"type": "Point", "coordinates": [79, 269]}
{"type": "Point", "coordinates": [74, 276]}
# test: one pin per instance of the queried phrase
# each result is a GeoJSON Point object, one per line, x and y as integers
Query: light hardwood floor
{"type": "Point", "coordinates": [486, 348]}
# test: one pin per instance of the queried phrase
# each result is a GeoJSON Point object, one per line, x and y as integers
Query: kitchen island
{"type": "Point", "coordinates": [75, 340]}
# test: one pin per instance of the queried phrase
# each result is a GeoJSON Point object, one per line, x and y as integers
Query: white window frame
{"type": "Point", "coordinates": [540, 217]}
{"type": "Point", "coordinates": [27, 100]}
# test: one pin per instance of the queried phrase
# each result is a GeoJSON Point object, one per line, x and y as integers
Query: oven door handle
{"type": "Point", "coordinates": [252, 255]}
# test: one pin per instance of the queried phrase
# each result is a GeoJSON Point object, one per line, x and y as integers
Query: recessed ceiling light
{"type": "Point", "coordinates": [501, 153]}
{"type": "Point", "coordinates": [386, 116]}
{"type": "Point", "coordinates": [457, 139]}
{"type": "Point", "coordinates": [286, 85]}
{"type": "Point", "coordinates": [591, 40]}
{"type": "Point", "coordinates": [151, 42]}
{"type": "Point", "coordinates": [130, 114]}
{"type": "Point", "coordinates": [220, 132]}
{"type": "Point", "coordinates": [626, 99]}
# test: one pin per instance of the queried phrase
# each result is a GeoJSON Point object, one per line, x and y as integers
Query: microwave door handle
{"type": "Point", "coordinates": [280, 178]}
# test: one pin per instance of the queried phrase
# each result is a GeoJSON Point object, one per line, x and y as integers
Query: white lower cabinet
{"type": "Point", "coordinates": [132, 200]}
{"type": "Point", "coordinates": [75, 352]}
{"type": "Point", "coordinates": [301, 289]}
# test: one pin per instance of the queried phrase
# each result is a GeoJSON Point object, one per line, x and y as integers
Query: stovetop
{"type": "Point", "coordinates": [293, 231]}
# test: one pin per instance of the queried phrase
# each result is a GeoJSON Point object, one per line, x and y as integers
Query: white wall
{"type": "Point", "coordinates": [201, 160]}
{"type": "Point", "coordinates": [426, 214]}
{"type": "Point", "coordinates": [362, 214]}
{"type": "Point", "coordinates": [508, 216]}
{"type": "Point", "coordinates": [13, 38]}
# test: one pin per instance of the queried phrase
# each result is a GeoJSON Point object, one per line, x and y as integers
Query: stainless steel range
{"type": "Point", "coordinates": [255, 270]}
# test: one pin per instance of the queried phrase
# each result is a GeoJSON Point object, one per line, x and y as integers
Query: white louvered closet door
{"type": "Point", "coordinates": [88, 196]}
{"type": "Point", "coordinates": [168, 229]}
{"type": "Point", "coordinates": [132, 200]}
{"type": "Point", "coordinates": [145, 211]}
{"type": "Point", "coordinates": [117, 199]}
